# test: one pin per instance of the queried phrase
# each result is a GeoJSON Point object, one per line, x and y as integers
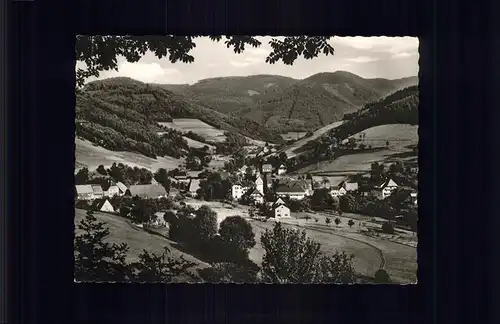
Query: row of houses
{"type": "Point", "coordinates": [299, 189]}
{"type": "Point", "coordinates": [266, 169]}
{"type": "Point", "coordinates": [93, 192]}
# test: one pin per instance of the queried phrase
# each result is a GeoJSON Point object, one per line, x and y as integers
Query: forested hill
{"type": "Point", "coordinates": [400, 107]}
{"type": "Point", "coordinates": [121, 114]}
{"type": "Point", "coordinates": [287, 104]}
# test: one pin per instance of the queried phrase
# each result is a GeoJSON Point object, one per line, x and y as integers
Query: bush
{"type": "Point", "coordinates": [381, 276]}
{"type": "Point", "coordinates": [337, 221]}
{"type": "Point", "coordinates": [350, 223]}
{"type": "Point", "coordinates": [291, 257]}
{"type": "Point", "coordinates": [238, 235]}
{"type": "Point", "coordinates": [328, 220]}
{"type": "Point", "coordinates": [388, 228]}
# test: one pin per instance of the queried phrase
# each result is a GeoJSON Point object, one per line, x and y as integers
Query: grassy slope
{"type": "Point", "coordinates": [137, 239]}
{"type": "Point", "coordinates": [400, 136]}
{"type": "Point", "coordinates": [92, 156]}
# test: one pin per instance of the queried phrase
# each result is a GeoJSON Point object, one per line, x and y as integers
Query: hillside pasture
{"type": "Point", "coordinates": [91, 156]}
{"type": "Point", "coordinates": [293, 136]}
{"type": "Point", "coordinates": [291, 150]}
{"type": "Point", "coordinates": [400, 137]}
{"type": "Point", "coordinates": [122, 231]}
{"type": "Point", "coordinates": [196, 126]}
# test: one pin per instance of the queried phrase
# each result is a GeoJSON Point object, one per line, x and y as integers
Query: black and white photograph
{"type": "Point", "coordinates": [246, 159]}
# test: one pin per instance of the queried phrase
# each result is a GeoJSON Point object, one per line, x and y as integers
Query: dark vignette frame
{"type": "Point", "coordinates": [40, 156]}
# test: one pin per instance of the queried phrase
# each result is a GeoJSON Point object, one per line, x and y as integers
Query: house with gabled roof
{"type": "Point", "coordinates": [112, 191]}
{"type": "Point", "coordinates": [278, 201]}
{"type": "Point", "coordinates": [255, 195]}
{"type": "Point", "coordinates": [238, 190]}
{"type": "Point", "coordinates": [122, 188]}
{"type": "Point", "coordinates": [84, 192]}
{"type": "Point", "coordinates": [98, 192]}
{"type": "Point", "coordinates": [103, 205]}
{"type": "Point", "coordinates": [267, 168]}
{"type": "Point", "coordinates": [385, 189]}
{"type": "Point", "coordinates": [282, 169]}
{"type": "Point", "coordinates": [349, 186]}
{"type": "Point", "coordinates": [147, 191]}
{"type": "Point", "coordinates": [194, 185]}
{"type": "Point", "coordinates": [291, 191]}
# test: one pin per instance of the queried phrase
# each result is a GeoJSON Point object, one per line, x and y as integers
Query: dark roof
{"type": "Point", "coordinates": [148, 191]}
{"type": "Point", "coordinates": [289, 188]}
{"type": "Point", "coordinates": [97, 204]}
{"type": "Point", "coordinates": [252, 191]}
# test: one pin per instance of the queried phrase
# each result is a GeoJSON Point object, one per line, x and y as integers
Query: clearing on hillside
{"type": "Point", "coordinates": [91, 156]}
{"type": "Point", "coordinates": [196, 126]}
{"type": "Point", "coordinates": [290, 150]}
{"type": "Point", "coordinates": [400, 136]}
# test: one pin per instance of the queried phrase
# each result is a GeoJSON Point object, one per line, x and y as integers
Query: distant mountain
{"type": "Point", "coordinates": [231, 94]}
{"type": "Point", "coordinates": [286, 104]}
{"type": "Point", "coordinates": [122, 114]}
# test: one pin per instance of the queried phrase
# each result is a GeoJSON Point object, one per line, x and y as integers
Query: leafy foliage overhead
{"type": "Point", "coordinates": [100, 53]}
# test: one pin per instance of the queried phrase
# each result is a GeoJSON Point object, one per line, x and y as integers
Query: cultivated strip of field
{"type": "Point", "coordinates": [400, 136]}
{"type": "Point", "coordinates": [196, 126]}
{"type": "Point", "coordinates": [122, 231]}
{"type": "Point", "coordinates": [367, 257]}
{"type": "Point", "coordinates": [91, 156]}
{"type": "Point", "coordinates": [290, 150]}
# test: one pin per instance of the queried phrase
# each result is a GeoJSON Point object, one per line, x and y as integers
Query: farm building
{"type": "Point", "coordinates": [103, 205]}
{"type": "Point", "coordinates": [292, 192]}
{"type": "Point", "coordinates": [194, 185]}
{"type": "Point", "coordinates": [237, 191]}
{"type": "Point", "coordinates": [259, 184]}
{"type": "Point", "coordinates": [158, 220]}
{"type": "Point", "coordinates": [281, 211]}
{"type": "Point", "coordinates": [255, 195]}
{"type": "Point", "coordinates": [173, 192]}
{"type": "Point", "coordinates": [98, 192]}
{"type": "Point", "coordinates": [349, 186]}
{"type": "Point", "coordinates": [112, 191]}
{"type": "Point", "coordinates": [147, 191]}
{"type": "Point", "coordinates": [385, 189]}
{"type": "Point", "coordinates": [267, 168]}
{"type": "Point", "coordinates": [181, 176]}
{"type": "Point", "coordinates": [122, 187]}
{"type": "Point", "coordinates": [84, 192]}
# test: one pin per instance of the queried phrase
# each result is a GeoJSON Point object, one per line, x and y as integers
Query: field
{"type": "Point", "coordinates": [371, 252]}
{"type": "Point", "coordinates": [399, 136]}
{"type": "Point", "coordinates": [121, 230]}
{"type": "Point", "coordinates": [293, 135]}
{"type": "Point", "coordinates": [399, 260]}
{"type": "Point", "coordinates": [290, 149]}
{"type": "Point", "coordinates": [196, 126]}
{"type": "Point", "coordinates": [91, 156]}
{"type": "Point", "coordinates": [196, 144]}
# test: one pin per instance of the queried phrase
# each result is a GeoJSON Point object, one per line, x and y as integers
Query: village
{"type": "Point", "coordinates": [379, 206]}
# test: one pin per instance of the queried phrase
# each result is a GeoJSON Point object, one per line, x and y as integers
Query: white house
{"type": "Point", "coordinates": [158, 220]}
{"type": "Point", "coordinates": [103, 205]}
{"type": "Point", "coordinates": [414, 196]}
{"type": "Point", "coordinates": [282, 169]}
{"type": "Point", "coordinates": [84, 192]}
{"type": "Point", "coordinates": [281, 211]}
{"type": "Point", "coordinates": [349, 186]}
{"type": "Point", "coordinates": [337, 191]}
{"type": "Point", "coordinates": [267, 168]}
{"type": "Point", "coordinates": [237, 191]}
{"type": "Point", "coordinates": [112, 191]}
{"type": "Point", "coordinates": [256, 195]}
{"type": "Point", "coordinates": [122, 187]}
{"type": "Point", "coordinates": [194, 185]}
{"type": "Point", "coordinates": [98, 192]}
{"type": "Point", "coordinates": [259, 184]}
{"type": "Point", "coordinates": [385, 189]}
{"type": "Point", "coordinates": [294, 192]}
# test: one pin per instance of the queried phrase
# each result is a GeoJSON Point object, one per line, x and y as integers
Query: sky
{"type": "Point", "coordinates": [368, 57]}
